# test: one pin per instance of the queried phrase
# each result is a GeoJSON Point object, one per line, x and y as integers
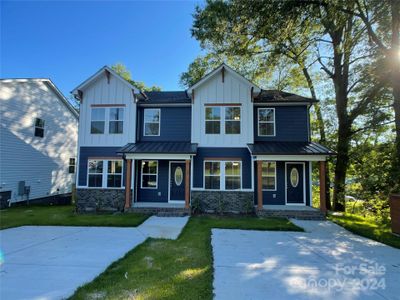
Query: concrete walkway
{"type": "Point", "coordinates": [50, 262]}
{"type": "Point", "coordinates": [325, 262]}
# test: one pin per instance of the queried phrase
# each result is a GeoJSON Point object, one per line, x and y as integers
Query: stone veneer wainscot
{"type": "Point", "coordinates": [93, 200]}
{"type": "Point", "coordinates": [223, 201]}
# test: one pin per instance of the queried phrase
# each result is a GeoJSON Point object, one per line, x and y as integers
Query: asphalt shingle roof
{"type": "Point", "coordinates": [160, 147]}
{"type": "Point", "coordinates": [289, 148]}
{"type": "Point", "coordinates": [279, 96]}
{"type": "Point", "coordinates": [166, 97]}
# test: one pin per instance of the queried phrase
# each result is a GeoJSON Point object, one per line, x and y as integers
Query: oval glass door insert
{"type": "Point", "coordinates": [178, 176]}
{"type": "Point", "coordinates": [294, 177]}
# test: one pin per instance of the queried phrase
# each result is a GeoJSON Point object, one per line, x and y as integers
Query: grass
{"type": "Point", "coordinates": [367, 227]}
{"type": "Point", "coordinates": [65, 216]}
{"type": "Point", "coordinates": [172, 269]}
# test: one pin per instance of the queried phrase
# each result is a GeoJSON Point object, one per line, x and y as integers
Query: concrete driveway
{"type": "Point", "coordinates": [50, 262]}
{"type": "Point", "coordinates": [325, 262]}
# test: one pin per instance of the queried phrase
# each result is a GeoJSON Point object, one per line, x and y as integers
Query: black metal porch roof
{"type": "Point", "coordinates": [160, 147]}
{"type": "Point", "coordinates": [289, 148]}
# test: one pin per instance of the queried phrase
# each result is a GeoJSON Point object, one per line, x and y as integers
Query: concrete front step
{"type": "Point", "coordinates": [161, 211]}
{"type": "Point", "coordinates": [292, 214]}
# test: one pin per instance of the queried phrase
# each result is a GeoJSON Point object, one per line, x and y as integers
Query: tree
{"type": "Point", "coordinates": [121, 70]}
{"type": "Point", "coordinates": [336, 39]}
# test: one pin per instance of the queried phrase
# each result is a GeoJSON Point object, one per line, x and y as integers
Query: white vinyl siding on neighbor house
{"type": "Point", "coordinates": [222, 175]}
{"type": "Point", "coordinates": [233, 91]}
{"type": "Point", "coordinates": [105, 173]}
{"type": "Point", "coordinates": [43, 163]}
{"type": "Point", "coordinates": [266, 122]}
{"type": "Point", "coordinates": [116, 99]}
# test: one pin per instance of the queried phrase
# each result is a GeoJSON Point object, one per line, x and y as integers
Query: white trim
{"type": "Point", "coordinates": [222, 175]}
{"type": "Point", "coordinates": [252, 171]}
{"type": "Point", "coordinates": [275, 177]}
{"type": "Point", "coordinates": [305, 157]}
{"type": "Point", "coordinates": [265, 122]}
{"type": "Point", "coordinates": [304, 183]}
{"type": "Point", "coordinates": [169, 181]}
{"type": "Point", "coordinates": [159, 122]}
{"type": "Point", "coordinates": [157, 156]}
{"type": "Point", "coordinates": [109, 120]}
{"type": "Point", "coordinates": [150, 174]}
{"type": "Point", "coordinates": [288, 103]}
{"type": "Point", "coordinates": [105, 129]}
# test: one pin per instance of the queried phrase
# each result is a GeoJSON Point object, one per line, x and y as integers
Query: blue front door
{"type": "Point", "coordinates": [177, 181]}
{"type": "Point", "coordinates": [294, 183]}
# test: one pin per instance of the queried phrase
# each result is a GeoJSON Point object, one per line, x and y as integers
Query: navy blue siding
{"type": "Point", "coordinates": [198, 166]}
{"type": "Point", "coordinates": [175, 125]}
{"type": "Point", "coordinates": [280, 186]}
{"type": "Point", "coordinates": [151, 195]}
{"type": "Point", "coordinates": [291, 124]}
{"type": "Point", "coordinates": [86, 152]}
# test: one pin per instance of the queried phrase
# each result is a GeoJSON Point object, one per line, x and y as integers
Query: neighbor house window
{"type": "Point", "coordinates": [232, 120]}
{"type": "Point", "coordinates": [98, 120]}
{"type": "Point", "coordinates": [114, 173]}
{"type": "Point", "coordinates": [212, 175]}
{"type": "Point", "coordinates": [149, 174]}
{"type": "Point", "coordinates": [39, 127]}
{"type": "Point", "coordinates": [95, 173]}
{"type": "Point", "coordinates": [232, 175]}
{"type": "Point", "coordinates": [71, 167]}
{"type": "Point", "coordinates": [269, 175]}
{"type": "Point", "coordinates": [213, 120]}
{"type": "Point", "coordinates": [266, 122]}
{"type": "Point", "coordinates": [116, 121]}
{"type": "Point", "coordinates": [152, 122]}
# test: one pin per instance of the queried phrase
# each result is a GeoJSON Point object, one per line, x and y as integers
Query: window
{"type": "Point", "coordinates": [95, 173]}
{"type": "Point", "coordinates": [269, 175]}
{"type": "Point", "coordinates": [71, 167]}
{"type": "Point", "coordinates": [294, 177]}
{"type": "Point", "coordinates": [39, 127]}
{"type": "Point", "coordinates": [98, 120]}
{"type": "Point", "coordinates": [178, 176]}
{"type": "Point", "coordinates": [213, 120]}
{"type": "Point", "coordinates": [232, 120]}
{"type": "Point", "coordinates": [222, 175]}
{"type": "Point", "coordinates": [114, 173]}
{"type": "Point", "coordinates": [149, 174]}
{"type": "Point", "coordinates": [152, 122]}
{"type": "Point", "coordinates": [212, 174]}
{"type": "Point", "coordinates": [116, 121]}
{"type": "Point", "coordinates": [232, 175]}
{"type": "Point", "coordinates": [266, 122]}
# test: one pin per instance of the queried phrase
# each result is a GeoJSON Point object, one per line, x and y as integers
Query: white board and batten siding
{"type": "Point", "coordinates": [107, 93]}
{"type": "Point", "coordinates": [41, 162]}
{"type": "Point", "coordinates": [232, 90]}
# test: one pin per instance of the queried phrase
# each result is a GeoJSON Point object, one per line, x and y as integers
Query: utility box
{"type": "Point", "coordinates": [21, 188]}
{"type": "Point", "coordinates": [394, 202]}
{"type": "Point", "coordinates": [4, 197]}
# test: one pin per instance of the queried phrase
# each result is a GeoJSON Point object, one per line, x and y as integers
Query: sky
{"type": "Point", "coordinates": [67, 41]}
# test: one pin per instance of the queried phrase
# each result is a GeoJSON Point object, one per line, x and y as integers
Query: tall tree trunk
{"type": "Point", "coordinates": [322, 135]}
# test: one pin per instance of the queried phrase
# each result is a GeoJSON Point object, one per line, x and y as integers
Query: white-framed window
{"type": "Point", "coordinates": [116, 120]}
{"type": "Point", "coordinates": [151, 122]}
{"type": "Point", "coordinates": [71, 166]}
{"type": "Point", "coordinates": [39, 127]}
{"type": "Point", "coordinates": [222, 175]}
{"type": "Point", "coordinates": [98, 120]}
{"type": "Point", "coordinates": [114, 173]}
{"type": "Point", "coordinates": [213, 119]}
{"type": "Point", "coordinates": [95, 173]}
{"type": "Point", "coordinates": [105, 173]}
{"type": "Point", "coordinates": [266, 122]}
{"type": "Point", "coordinates": [149, 174]}
{"type": "Point", "coordinates": [269, 175]}
{"type": "Point", "coordinates": [232, 120]}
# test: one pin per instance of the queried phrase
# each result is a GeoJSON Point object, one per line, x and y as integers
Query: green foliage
{"type": "Point", "coordinates": [121, 70]}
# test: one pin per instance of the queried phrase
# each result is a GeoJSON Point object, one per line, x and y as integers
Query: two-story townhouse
{"type": "Point", "coordinates": [222, 145]}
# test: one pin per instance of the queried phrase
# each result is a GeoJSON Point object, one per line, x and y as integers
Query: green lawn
{"type": "Point", "coordinates": [367, 227]}
{"type": "Point", "coordinates": [172, 269]}
{"type": "Point", "coordinates": [63, 215]}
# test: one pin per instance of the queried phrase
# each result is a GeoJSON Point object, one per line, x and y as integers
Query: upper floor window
{"type": "Point", "coordinates": [98, 120]}
{"type": "Point", "coordinates": [269, 175]}
{"type": "Point", "coordinates": [152, 122]}
{"type": "Point", "coordinates": [213, 120]}
{"type": "Point", "coordinates": [232, 120]}
{"type": "Point", "coordinates": [116, 121]}
{"type": "Point", "coordinates": [39, 127]}
{"type": "Point", "coordinates": [105, 173]}
{"type": "Point", "coordinates": [222, 175]}
{"type": "Point", "coordinates": [266, 122]}
{"type": "Point", "coordinates": [71, 166]}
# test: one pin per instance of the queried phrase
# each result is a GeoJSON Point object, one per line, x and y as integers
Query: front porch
{"type": "Point", "coordinates": [161, 209]}
{"type": "Point", "coordinates": [291, 212]}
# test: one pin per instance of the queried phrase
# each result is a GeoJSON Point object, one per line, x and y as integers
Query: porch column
{"type": "Point", "coordinates": [322, 185]}
{"type": "Point", "coordinates": [259, 185]}
{"type": "Point", "coordinates": [187, 183]}
{"type": "Point", "coordinates": [128, 184]}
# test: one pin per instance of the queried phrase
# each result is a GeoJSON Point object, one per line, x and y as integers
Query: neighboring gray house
{"type": "Point", "coordinates": [38, 140]}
